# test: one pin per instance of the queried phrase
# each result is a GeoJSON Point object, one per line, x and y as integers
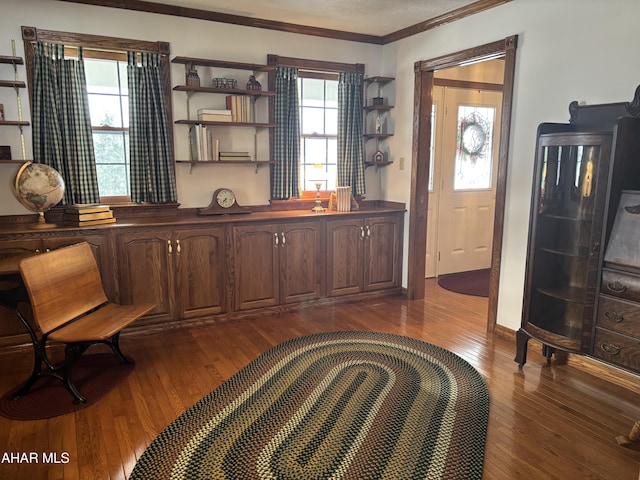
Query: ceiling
{"type": "Point", "coordinates": [378, 19]}
{"type": "Point", "coordinates": [373, 17]}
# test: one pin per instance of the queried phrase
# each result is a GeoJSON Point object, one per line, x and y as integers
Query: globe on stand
{"type": "Point", "coordinates": [38, 188]}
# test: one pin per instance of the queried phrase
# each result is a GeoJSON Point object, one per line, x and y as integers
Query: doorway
{"type": "Point", "coordinates": [418, 213]}
{"type": "Point", "coordinates": [466, 112]}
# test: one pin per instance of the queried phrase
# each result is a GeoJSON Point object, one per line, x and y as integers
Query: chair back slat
{"type": "Point", "coordinates": [62, 284]}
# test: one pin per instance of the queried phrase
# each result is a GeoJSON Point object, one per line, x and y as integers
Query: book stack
{"type": "Point", "coordinates": [204, 146]}
{"type": "Point", "coordinates": [240, 106]}
{"type": "Point", "coordinates": [83, 215]}
{"type": "Point", "coordinates": [209, 115]}
{"type": "Point", "coordinates": [234, 157]}
{"type": "Point", "coordinates": [343, 195]}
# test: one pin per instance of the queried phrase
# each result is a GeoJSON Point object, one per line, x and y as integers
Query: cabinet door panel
{"type": "Point", "coordinates": [344, 257]}
{"type": "Point", "coordinates": [300, 259]}
{"type": "Point", "coordinates": [145, 275]}
{"type": "Point", "coordinates": [382, 251]}
{"type": "Point", "coordinates": [256, 267]}
{"type": "Point", "coordinates": [200, 272]}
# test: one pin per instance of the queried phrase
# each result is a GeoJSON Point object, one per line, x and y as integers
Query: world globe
{"type": "Point", "coordinates": [38, 187]}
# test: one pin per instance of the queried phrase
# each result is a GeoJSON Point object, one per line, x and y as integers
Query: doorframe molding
{"type": "Point", "coordinates": [422, 103]}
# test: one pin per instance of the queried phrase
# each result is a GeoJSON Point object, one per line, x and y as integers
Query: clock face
{"type": "Point", "coordinates": [225, 198]}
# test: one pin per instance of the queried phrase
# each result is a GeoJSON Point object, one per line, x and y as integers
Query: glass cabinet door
{"type": "Point", "coordinates": [571, 173]}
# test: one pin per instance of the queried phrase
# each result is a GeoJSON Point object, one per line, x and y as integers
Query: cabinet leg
{"type": "Point", "coordinates": [522, 341]}
{"type": "Point", "coordinates": [547, 352]}
{"type": "Point", "coordinates": [632, 440]}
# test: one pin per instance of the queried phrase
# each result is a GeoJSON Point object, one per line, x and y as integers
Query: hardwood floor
{"type": "Point", "coordinates": [557, 422]}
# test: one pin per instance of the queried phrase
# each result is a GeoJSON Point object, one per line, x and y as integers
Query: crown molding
{"type": "Point", "coordinates": [163, 9]}
{"type": "Point", "coordinates": [448, 17]}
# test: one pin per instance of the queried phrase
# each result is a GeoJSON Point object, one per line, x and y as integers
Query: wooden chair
{"type": "Point", "coordinates": [69, 306]}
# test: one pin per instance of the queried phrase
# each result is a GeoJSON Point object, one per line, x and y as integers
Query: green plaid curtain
{"type": "Point", "coordinates": [286, 145]}
{"type": "Point", "coordinates": [151, 153]}
{"type": "Point", "coordinates": [350, 132]}
{"type": "Point", "coordinates": [62, 136]}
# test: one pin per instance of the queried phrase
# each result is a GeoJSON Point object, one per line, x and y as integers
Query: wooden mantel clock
{"type": "Point", "coordinates": [223, 202]}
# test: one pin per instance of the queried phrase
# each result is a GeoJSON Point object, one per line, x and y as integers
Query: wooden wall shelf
{"type": "Point", "coordinates": [256, 67]}
{"type": "Point", "coordinates": [14, 123]}
{"type": "Point", "coordinates": [227, 91]}
{"type": "Point", "coordinates": [226, 124]}
{"type": "Point", "coordinates": [16, 85]}
{"type": "Point", "coordinates": [10, 59]}
{"type": "Point", "coordinates": [12, 84]}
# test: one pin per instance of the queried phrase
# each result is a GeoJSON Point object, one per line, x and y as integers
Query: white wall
{"type": "Point", "coordinates": [190, 38]}
{"type": "Point", "coordinates": [584, 50]}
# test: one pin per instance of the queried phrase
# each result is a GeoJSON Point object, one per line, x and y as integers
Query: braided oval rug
{"type": "Point", "coordinates": [351, 405]}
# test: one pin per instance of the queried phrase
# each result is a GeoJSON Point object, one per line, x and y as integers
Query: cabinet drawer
{"type": "Point", "coordinates": [620, 284]}
{"type": "Point", "coordinates": [619, 315]}
{"type": "Point", "coordinates": [618, 349]}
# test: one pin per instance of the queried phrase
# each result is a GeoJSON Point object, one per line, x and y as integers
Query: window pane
{"type": "Point", "coordinates": [312, 92]}
{"type": "Point", "coordinates": [113, 180]}
{"type": "Point", "coordinates": [331, 118]}
{"type": "Point", "coordinates": [124, 81]}
{"type": "Point", "coordinates": [112, 162]}
{"type": "Point", "coordinates": [432, 151]}
{"type": "Point", "coordinates": [332, 151]}
{"type": "Point", "coordinates": [102, 76]}
{"type": "Point", "coordinates": [474, 155]}
{"type": "Point", "coordinates": [105, 110]}
{"type": "Point", "coordinates": [312, 120]}
{"type": "Point", "coordinates": [125, 111]}
{"type": "Point", "coordinates": [315, 150]}
{"type": "Point", "coordinates": [331, 93]}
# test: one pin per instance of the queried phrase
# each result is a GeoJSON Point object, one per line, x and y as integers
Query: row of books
{"type": "Point", "coordinates": [240, 106]}
{"type": "Point", "coordinates": [205, 147]}
{"type": "Point", "coordinates": [238, 110]}
{"type": "Point", "coordinates": [87, 214]}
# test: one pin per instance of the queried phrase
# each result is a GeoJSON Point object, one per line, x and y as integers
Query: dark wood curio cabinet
{"type": "Point", "coordinates": [581, 168]}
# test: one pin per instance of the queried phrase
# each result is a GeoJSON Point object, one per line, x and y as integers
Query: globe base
{"type": "Point", "coordinates": [41, 223]}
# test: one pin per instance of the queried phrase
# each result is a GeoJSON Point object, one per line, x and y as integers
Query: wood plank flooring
{"type": "Point", "coordinates": [557, 422]}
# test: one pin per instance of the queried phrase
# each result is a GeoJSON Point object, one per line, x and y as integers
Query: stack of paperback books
{"type": "Point", "coordinates": [234, 157]}
{"type": "Point", "coordinates": [83, 215]}
{"type": "Point", "coordinates": [211, 115]}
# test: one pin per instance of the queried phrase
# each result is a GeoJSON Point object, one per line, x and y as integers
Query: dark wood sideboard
{"type": "Point", "coordinates": [215, 268]}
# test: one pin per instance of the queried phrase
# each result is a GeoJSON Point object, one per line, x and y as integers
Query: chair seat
{"type": "Point", "coordinates": [101, 324]}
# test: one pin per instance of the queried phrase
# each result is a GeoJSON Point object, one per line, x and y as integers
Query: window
{"type": "Point", "coordinates": [109, 107]}
{"type": "Point", "coordinates": [318, 99]}
{"type": "Point", "coordinates": [105, 62]}
{"type": "Point", "coordinates": [474, 156]}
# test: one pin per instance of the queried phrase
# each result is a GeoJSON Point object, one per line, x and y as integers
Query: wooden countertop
{"type": "Point", "coordinates": [191, 217]}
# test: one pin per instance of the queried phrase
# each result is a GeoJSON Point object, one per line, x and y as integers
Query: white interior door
{"type": "Point", "coordinates": [464, 179]}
